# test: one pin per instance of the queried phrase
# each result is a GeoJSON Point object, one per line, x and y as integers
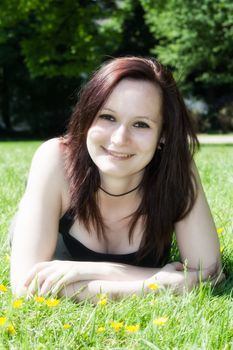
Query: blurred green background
{"type": "Point", "coordinates": [49, 48]}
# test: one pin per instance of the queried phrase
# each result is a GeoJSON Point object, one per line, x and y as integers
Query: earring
{"type": "Point", "coordinates": [160, 146]}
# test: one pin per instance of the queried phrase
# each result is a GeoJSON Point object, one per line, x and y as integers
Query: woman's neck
{"type": "Point", "coordinates": [120, 194]}
{"type": "Point", "coordinates": [119, 187]}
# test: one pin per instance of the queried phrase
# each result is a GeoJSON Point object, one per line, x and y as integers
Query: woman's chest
{"type": "Point", "coordinates": [117, 219]}
{"type": "Point", "coordinates": [117, 237]}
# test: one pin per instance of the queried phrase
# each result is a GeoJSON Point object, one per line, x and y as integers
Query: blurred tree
{"type": "Point", "coordinates": [44, 41]}
{"type": "Point", "coordinates": [136, 39]}
{"type": "Point", "coordinates": [60, 38]}
{"type": "Point", "coordinates": [46, 48]}
{"type": "Point", "coordinates": [196, 39]}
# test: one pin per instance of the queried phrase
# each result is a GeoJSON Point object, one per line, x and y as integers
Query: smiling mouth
{"type": "Point", "coordinates": [118, 155]}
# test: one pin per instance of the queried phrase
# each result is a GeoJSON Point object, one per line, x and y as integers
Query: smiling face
{"type": "Point", "coordinates": [123, 137]}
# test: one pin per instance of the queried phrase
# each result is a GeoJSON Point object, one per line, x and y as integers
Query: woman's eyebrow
{"type": "Point", "coordinates": [108, 109]}
{"type": "Point", "coordinates": [137, 117]}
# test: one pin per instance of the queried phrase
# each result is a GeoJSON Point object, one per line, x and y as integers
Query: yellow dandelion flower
{"type": "Point", "coordinates": [7, 258]}
{"type": "Point", "coordinates": [102, 296]}
{"type": "Point", "coordinates": [220, 230]}
{"type": "Point", "coordinates": [39, 299]}
{"type": "Point", "coordinates": [3, 288]}
{"type": "Point", "coordinates": [103, 301]}
{"type": "Point", "coordinates": [134, 296]}
{"type": "Point", "coordinates": [132, 328]}
{"type": "Point", "coordinates": [11, 329]}
{"type": "Point", "coordinates": [66, 326]}
{"type": "Point", "coordinates": [117, 325]}
{"type": "Point", "coordinates": [160, 321]}
{"type": "Point", "coordinates": [153, 286]}
{"type": "Point", "coordinates": [52, 302]}
{"type": "Point", "coordinates": [100, 329]}
{"type": "Point", "coordinates": [2, 321]}
{"type": "Point", "coordinates": [17, 303]}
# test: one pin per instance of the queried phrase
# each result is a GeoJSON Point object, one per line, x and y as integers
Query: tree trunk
{"type": "Point", "coordinates": [6, 99]}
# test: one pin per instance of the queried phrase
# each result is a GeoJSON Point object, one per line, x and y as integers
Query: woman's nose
{"type": "Point", "coordinates": [120, 135]}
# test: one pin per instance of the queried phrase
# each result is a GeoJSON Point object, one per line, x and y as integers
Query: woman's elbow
{"type": "Point", "coordinates": [18, 289]}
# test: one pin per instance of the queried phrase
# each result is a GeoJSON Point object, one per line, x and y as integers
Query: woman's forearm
{"type": "Point", "coordinates": [113, 289]}
{"type": "Point", "coordinates": [114, 271]}
{"type": "Point", "coordinates": [170, 276]}
{"type": "Point", "coordinates": [115, 279]}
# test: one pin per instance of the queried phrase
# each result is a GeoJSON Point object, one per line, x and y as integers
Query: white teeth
{"type": "Point", "coordinates": [121, 155]}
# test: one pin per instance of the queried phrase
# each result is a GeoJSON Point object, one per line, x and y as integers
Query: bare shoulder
{"type": "Point", "coordinates": [48, 158]}
{"type": "Point", "coordinates": [49, 149]}
{"type": "Point", "coordinates": [47, 167]}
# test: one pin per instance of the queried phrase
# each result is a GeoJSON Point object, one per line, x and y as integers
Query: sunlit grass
{"type": "Point", "coordinates": [202, 319]}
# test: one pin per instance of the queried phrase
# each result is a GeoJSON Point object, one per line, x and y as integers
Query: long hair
{"type": "Point", "coordinates": [168, 185]}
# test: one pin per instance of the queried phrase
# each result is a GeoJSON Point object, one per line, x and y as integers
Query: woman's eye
{"type": "Point", "coordinates": [107, 117]}
{"type": "Point", "coordinates": [141, 125]}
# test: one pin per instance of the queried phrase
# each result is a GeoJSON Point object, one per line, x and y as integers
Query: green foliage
{"type": "Point", "coordinates": [48, 49]}
{"type": "Point", "coordinates": [44, 40]}
{"type": "Point", "coordinates": [62, 38]}
{"type": "Point", "coordinates": [195, 38]}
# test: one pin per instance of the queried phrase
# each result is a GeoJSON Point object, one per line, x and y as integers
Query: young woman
{"type": "Point", "coordinates": [102, 202]}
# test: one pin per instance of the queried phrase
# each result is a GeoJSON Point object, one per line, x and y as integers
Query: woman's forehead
{"type": "Point", "coordinates": [138, 95]}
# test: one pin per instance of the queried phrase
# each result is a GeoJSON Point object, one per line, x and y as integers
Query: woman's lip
{"type": "Point", "coordinates": [118, 155]}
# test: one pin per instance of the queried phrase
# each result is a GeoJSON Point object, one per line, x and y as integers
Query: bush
{"type": "Point", "coordinates": [225, 117]}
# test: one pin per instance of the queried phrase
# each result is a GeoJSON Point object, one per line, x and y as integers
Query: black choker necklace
{"type": "Point", "coordinates": [122, 194]}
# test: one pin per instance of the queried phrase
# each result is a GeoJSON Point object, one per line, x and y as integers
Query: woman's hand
{"type": "Point", "coordinates": [178, 277]}
{"type": "Point", "coordinates": [52, 276]}
{"type": "Point", "coordinates": [173, 275]}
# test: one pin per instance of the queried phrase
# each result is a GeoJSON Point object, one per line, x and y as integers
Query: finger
{"type": "Point", "coordinates": [30, 277]}
{"type": "Point", "coordinates": [38, 280]}
{"type": "Point", "coordinates": [33, 288]}
{"type": "Point", "coordinates": [75, 291]}
{"type": "Point", "coordinates": [61, 283]}
{"type": "Point", "coordinates": [65, 280]}
{"type": "Point", "coordinates": [171, 267]}
{"type": "Point", "coordinates": [33, 271]}
{"type": "Point", "coordinates": [50, 283]}
{"type": "Point", "coordinates": [205, 274]}
{"type": "Point", "coordinates": [193, 279]}
{"type": "Point", "coordinates": [178, 265]}
{"type": "Point", "coordinates": [217, 279]}
{"type": "Point", "coordinates": [210, 272]}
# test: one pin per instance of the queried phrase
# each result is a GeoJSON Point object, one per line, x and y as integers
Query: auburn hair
{"type": "Point", "coordinates": [168, 185]}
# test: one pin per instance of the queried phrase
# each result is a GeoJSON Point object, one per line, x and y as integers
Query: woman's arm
{"type": "Point", "coordinates": [36, 227]}
{"type": "Point", "coordinates": [118, 280]}
{"type": "Point", "coordinates": [66, 278]}
{"type": "Point", "coordinates": [197, 237]}
{"type": "Point", "coordinates": [172, 275]}
{"type": "Point", "coordinates": [52, 276]}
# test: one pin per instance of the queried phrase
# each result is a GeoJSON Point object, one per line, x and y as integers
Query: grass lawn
{"type": "Point", "coordinates": [201, 319]}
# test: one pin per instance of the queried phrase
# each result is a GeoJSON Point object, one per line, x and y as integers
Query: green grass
{"type": "Point", "coordinates": [201, 319]}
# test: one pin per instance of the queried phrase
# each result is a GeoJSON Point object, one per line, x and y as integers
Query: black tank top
{"type": "Point", "coordinates": [80, 252]}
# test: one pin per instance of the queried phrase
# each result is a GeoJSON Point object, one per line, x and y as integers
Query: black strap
{"type": "Point", "coordinates": [66, 222]}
